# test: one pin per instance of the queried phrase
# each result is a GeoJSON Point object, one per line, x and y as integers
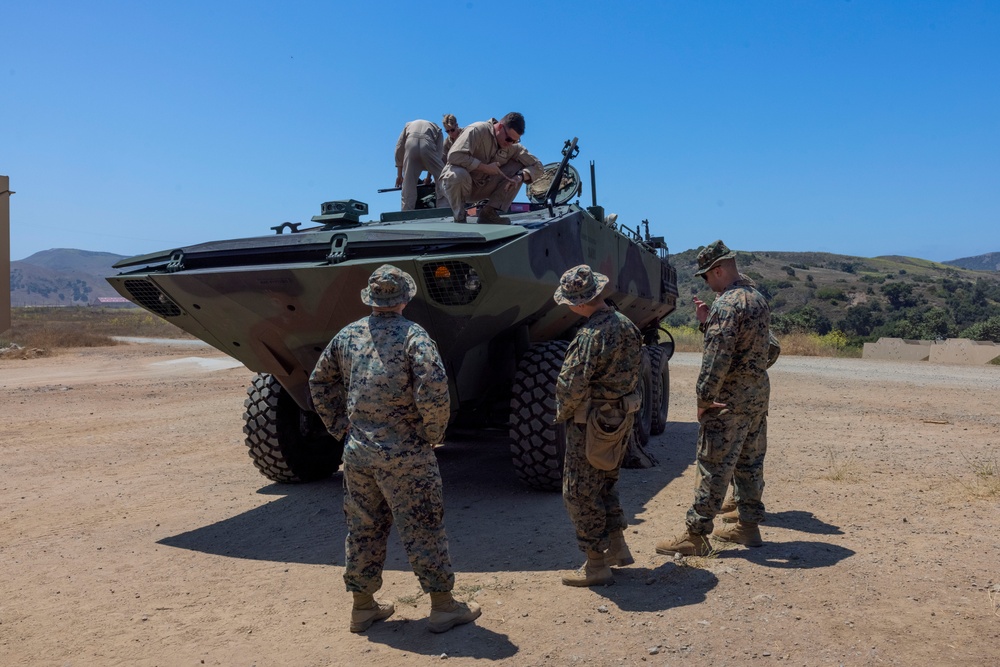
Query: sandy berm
{"type": "Point", "coordinates": [134, 530]}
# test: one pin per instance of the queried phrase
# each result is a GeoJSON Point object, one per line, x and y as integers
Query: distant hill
{"type": "Point", "coordinates": [814, 291]}
{"type": "Point", "coordinates": [863, 297]}
{"type": "Point", "coordinates": [988, 262]}
{"type": "Point", "coordinates": [61, 277]}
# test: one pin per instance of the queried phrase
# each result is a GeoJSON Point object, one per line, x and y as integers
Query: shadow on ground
{"type": "Point", "coordinates": [802, 521]}
{"type": "Point", "coordinates": [666, 586]}
{"type": "Point", "coordinates": [466, 641]}
{"type": "Point", "coordinates": [487, 511]}
{"type": "Point", "coordinates": [791, 555]}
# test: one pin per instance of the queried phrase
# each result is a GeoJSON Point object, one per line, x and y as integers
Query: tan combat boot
{"type": "Point", "coordinates": [595, 572]}
{"type": "Point", "coordinates": [618, 554]}
{"type": "Point", "coordinates": [489, 216]}
{"type": "Point", "coordinates": [685, 544]}
{"type": "Point", "coordinates": [741, 532]}
{"type": "Point", "coordinates": [729, 504]}
{"type": "Point", "coordinates": [447, 612]}
{"type": "Point", "coordinates": [367, 610]}
{"type": "Point", "coordinates": [731, 516]}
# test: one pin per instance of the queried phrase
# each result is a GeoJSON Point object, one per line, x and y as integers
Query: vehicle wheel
{"type": "Point", "coordinates": [286, 443]}
{"type": "Point", "coordinates": [538, 446]}
{"type": "Point", "coordinates": [660, 372]}
{"type": "Point", "coordinates": [644, 418]}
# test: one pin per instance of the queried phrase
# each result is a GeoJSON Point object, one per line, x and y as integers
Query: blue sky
{"type": "Point", "coordinates": [863, 128]}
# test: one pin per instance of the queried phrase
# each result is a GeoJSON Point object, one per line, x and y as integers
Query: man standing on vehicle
{"type": "Point", "coordinates": [595, 396]}
{"type": "Point", "coordinates": [733, 392]}
{"type": "Point", "coordinates": [487, 161]}
{"type": "Point", "coordinates": [418, 149]}
{"type": "Point", "coordinates": [380, 385]}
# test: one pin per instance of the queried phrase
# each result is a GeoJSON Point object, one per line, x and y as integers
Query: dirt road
{"type": "Point", "coordinates": [134, 530]}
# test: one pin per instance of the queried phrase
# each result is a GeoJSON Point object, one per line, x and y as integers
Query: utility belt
{"type": "Point", "coordinates": [609, 425]}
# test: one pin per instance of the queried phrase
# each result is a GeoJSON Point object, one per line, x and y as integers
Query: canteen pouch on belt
{"type": "Point", "coordinates": [608, 428]}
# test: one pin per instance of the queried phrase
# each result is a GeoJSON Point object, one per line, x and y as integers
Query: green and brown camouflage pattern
{"type": "Point", "coordinates": [273, 302]}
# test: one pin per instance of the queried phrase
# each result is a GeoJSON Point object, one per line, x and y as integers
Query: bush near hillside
{"type": "Point", "coordinates": [861, 298]}
{"type": "Point", "coordinates": [82, 326]}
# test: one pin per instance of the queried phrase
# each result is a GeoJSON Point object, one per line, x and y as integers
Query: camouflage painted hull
{"type": "Point", "coordinates": [484, 291]}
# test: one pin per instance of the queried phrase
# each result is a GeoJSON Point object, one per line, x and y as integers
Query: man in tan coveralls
{"type": "Point", "coordinates": [488, 162]}
{"type": "Point", "coordinates": [451, 128]}
{"type": "Point", "coordinates": [418, 149]}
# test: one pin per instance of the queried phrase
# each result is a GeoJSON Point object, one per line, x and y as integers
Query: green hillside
{"type": "Point", "coordinates": [863, 297]}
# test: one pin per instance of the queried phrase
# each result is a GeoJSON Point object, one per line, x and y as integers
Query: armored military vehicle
{"type": "Point", "coordinates": [484, 294]}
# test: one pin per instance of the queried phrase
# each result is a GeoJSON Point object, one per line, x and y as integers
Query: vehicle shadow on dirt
{"type": "Point", "coordinates": [494, 522]}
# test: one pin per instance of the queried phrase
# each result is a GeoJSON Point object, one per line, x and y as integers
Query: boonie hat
{"type": "Point", "coordinates": [579, 285]}
{"type": "Point", "coordinates": [388, 286]}
{"type": "Point", "coordinates": [713, 253]}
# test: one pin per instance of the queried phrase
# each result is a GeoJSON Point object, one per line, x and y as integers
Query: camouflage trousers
{"type": "Point", "coordinates": [731, 447]}
{"type": "Point", "coordinates": [380, 489]}
{"type": "Point", "coordinates": [590, 495]}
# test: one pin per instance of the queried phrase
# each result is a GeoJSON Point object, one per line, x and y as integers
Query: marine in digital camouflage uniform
{"type": "Point", "coordinates": [602, 365]}
{"type": "Point", "coordinates": [730, 508]}
{"type": "Point", "coordinates": [381, 386]}
{"type": "Point", "coordinates": [733, 392]}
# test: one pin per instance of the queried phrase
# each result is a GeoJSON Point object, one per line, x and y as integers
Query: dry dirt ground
{"type": "Point", "coordinates": [135, 531]}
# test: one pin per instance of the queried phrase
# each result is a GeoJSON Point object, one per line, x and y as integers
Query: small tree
{"type": "Point", "coordinates": [988, 330]}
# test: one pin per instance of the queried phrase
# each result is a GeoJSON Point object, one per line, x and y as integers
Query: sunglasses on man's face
{"type": "Point", "coordinates": [506, 136]}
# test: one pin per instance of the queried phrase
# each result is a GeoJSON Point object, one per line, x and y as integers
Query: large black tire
{"type": "Point", "coordinates": [644, 418]}
{"type": "Point", "coordinates": [286, 444]}
{"type": "Point", "coordinates": [538, 446]}
{"type": "Point", "coordinates": [660, 400]}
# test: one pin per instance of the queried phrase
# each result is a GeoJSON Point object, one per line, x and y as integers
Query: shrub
{"type": "Point", "coordinates": [832, 344]}
{"type": "Point", "coordinates": [686, 338]}
{"type": "Point", "coordinates": [805, 319]}
{"type": "Point", "coordinates": [827, 293]}
{"type": "Point", "coordinates": [985, 331]}
{"type": "Point", "coordinates": [82, 326]}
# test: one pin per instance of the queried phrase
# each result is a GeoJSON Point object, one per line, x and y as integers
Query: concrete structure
{"type": "Point", "coordinates": [5, 194]}
{"type": "Point", "coordinates": [962, 351]}
{"type": "Point", "coordinates": [898, 349]}
{"type": "Point", "coordinates": [951, 351]}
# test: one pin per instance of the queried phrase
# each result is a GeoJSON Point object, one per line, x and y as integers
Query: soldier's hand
{"type": "Point", "coordinates": [399, 182]}
{"type": "Point", "coordinates": [491, 169]}
{"type": "Point", "coordinates": [514, 183]}
{"type": "Point", "coordinates": [700, 309]}
{"type": "Point", "coordinates": [715, 406]}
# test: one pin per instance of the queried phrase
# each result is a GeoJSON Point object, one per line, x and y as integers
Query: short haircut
{"type": "Point", "coordinates": [449, 121]}
{"type": "Point", "coordinates": [514, 121]}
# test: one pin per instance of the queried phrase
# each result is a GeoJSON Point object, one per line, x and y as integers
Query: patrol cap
{"type": "Point", "coordinates": [388, 286]}
{"type": "Point", "coordinates": [579, 285]}
{"type": "Point", "coordinates": [713, 253]}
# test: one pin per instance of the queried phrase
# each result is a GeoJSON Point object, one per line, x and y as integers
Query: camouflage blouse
{"type": "Point", "coordinates": [602, 361]}
{"type": "Point", "coordinates": [381, 382]}
{"type": "Point", "coordinates": [734, 364]}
